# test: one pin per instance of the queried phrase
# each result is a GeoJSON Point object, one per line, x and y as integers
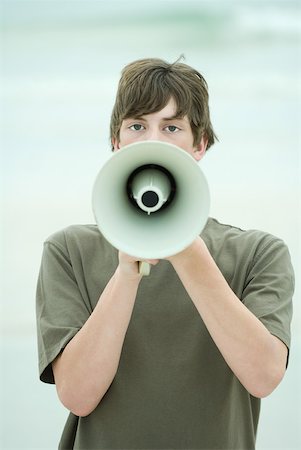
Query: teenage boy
{"type": "Point", "coordinates": [179, 359]}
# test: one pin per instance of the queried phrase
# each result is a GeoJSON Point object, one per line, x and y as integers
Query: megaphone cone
{"type": "Point", "coordinates": [150, 199]}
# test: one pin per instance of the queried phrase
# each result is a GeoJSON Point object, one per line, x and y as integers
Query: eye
{"type": "Point", "coordinates": [172, 128]}
{"type": "Point", "coordinates": [136, 127]}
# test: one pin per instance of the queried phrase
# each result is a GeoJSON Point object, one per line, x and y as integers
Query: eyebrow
{"type": "Point", "coordinates": [163, 118]}
{"type": "Point", "coordinates": [173, 118]}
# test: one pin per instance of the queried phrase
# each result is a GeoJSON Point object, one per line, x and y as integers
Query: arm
{"type": "Point", "coordinates": [85, 369]}
{"type": "Point", "coordinates": [256, 357]}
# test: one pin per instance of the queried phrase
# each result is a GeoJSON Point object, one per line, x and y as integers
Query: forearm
{"type": "Point", "coordinates": [253, 354]}
{"type": "Point", "coordinates": [88, 364]}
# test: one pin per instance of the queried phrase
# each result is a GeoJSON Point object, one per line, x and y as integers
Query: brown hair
{"type": "Point", "coordinates": [147, 85]}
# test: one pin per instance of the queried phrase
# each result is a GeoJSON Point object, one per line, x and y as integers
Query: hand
{"type": "Point", "coordinates": [196, 247]}
{"type": "Point", "coordinates": [129, 265]}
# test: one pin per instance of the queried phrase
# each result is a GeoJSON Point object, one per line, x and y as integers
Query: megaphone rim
{"type": "Point", "coordinates": [156, 254]}
{"type": "Point", "coordinates": [145, 143]}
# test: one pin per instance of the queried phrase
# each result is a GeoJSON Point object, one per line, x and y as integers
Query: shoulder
{"type": "Point", "coordinates": [228, 236]}
{"type": "Point", "coordinates": [245, 252]}
{"type": "Point", "coordinates": [75, 235]}
{"type": "Point", "coordinates": [73, 232]}
{"type": "Point", "coordinates": [78, 239]}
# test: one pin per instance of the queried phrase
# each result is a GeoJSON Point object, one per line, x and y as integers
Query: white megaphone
{"type": "Point", "coordinates": [150, 200]}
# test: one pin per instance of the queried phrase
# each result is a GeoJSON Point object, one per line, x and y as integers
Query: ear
{"type": "Point", "coordinates": [200, 149]}
{"type": "Point", "coordinates": [115, 144]}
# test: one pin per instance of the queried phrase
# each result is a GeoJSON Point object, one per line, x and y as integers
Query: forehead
{"type": "Point", "coordinates": [168, 112]}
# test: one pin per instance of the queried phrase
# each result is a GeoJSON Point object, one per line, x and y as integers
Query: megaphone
{"type": "Point", "coordinates": [150, 200]}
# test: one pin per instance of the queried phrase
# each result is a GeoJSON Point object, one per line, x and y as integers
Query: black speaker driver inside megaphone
{"type": "Point", "coordinates": [150, 197]}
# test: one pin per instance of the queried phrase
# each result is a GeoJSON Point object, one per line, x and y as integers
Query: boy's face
{"type": "Point", "coordinates": [161, 126]}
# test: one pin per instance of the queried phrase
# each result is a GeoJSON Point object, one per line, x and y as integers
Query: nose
{"type": "Point", "coordinates": [153, 135]}
{"type": "Point", "coordinates": [157, 134]}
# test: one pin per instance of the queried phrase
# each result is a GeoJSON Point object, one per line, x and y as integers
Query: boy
{"type": "Point", "coordinates": [179, 359]}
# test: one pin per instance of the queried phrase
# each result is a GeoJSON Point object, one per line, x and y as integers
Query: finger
{"type": "Point", "coordinates": [153, 262]}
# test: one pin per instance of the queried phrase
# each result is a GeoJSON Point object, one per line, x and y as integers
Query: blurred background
{"type": "Point", "coordinates": [60, 64]}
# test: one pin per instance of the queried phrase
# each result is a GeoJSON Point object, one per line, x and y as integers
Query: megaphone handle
{"type": "Point", "coordinates": [144, 268]}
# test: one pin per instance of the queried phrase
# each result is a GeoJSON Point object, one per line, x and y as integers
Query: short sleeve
{"type": "Point", "coordinates": [61, 309]}
{"type": "Point", "coordinates": [269, 287]}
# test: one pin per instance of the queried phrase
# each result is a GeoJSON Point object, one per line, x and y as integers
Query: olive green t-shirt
{"type": "Point", "coordinates": [173, 389]}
